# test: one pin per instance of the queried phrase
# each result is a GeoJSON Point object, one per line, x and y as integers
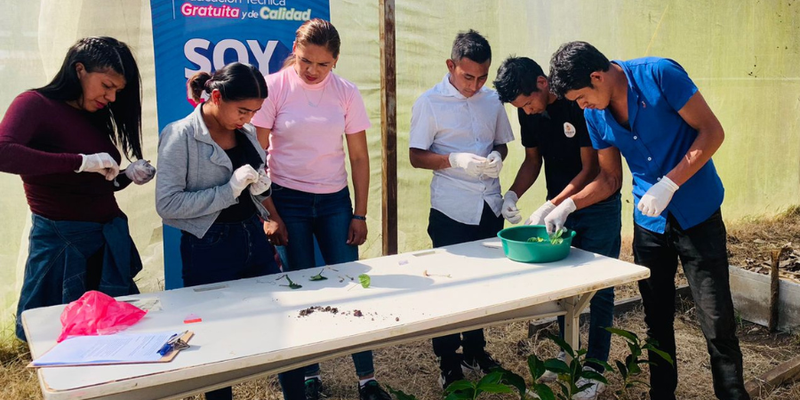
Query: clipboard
{"type": "Point", "coordinates": [150, 359]}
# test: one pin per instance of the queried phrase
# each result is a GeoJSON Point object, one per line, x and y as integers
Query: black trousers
{"type": "Point", "coordinates": [444, 231]}
{"type": "Point", "coordinates": [702, 251]}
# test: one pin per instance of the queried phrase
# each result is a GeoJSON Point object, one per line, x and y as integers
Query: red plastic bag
{"type": "Point", "coordinates": [97, 313]}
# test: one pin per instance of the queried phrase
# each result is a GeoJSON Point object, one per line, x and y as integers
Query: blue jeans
{"type": "Point", "coordinates": [68, 258]}
{"type": "Point", "coordinates": [228, 251]}
{"type": "Point", "coordinates": [327, 218]}
{"type": "Point", "coordinates": [598, 230]}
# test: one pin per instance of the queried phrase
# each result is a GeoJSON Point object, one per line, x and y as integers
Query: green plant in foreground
{"type": "Point", "coordinates": [503, 381]}
{"type": "Point", "coordinates": [467, 390]}
{"type": "Point", "coordinates": [570, 374]}
{"type": "Point", "coordinates": [399, 394]}
{"type": "Point", "coordinates": [630, 370]}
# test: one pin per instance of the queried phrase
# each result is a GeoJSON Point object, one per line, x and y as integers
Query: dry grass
{"type": "Point", "coordinates": [413, 368]}
{"type": "Point", "coordinates": [750, 244]}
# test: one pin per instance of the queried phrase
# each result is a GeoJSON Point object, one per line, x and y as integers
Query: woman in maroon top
{"type": "Point", "coordinates": [62, 140]}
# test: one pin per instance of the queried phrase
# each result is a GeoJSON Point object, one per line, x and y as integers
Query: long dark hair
{"type": "Point", "coordinates": [235, 81]}
{"type": "Point", "coordinates": [122, 119]}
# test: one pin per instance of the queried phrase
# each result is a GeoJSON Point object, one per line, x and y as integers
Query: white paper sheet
{"type": "Point", "coordinates": [117, 348]}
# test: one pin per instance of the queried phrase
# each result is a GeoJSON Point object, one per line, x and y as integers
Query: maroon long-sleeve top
{"type": "Point", "coordinates": [40, 140]}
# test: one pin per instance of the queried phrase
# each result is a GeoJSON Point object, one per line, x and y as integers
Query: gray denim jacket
{"type": "Point", "coordinates": [193, 181]}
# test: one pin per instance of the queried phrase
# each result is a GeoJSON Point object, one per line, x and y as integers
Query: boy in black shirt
{"type": "Point", "coordinates": [554, 134]}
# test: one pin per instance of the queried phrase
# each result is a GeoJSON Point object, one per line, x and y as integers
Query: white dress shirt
{"type": "Point", "coordinates": [443, 121]}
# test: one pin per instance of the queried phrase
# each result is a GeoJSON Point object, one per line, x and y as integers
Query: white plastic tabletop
{"type": "Point", "coordinates": [253, 326]}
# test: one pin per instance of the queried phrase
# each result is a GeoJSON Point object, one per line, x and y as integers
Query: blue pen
{"type": "Point", "coordinates": [170, 345]}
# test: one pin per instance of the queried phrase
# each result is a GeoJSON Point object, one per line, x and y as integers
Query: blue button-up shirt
{"type": "Point", "coordinates": [657, 140]}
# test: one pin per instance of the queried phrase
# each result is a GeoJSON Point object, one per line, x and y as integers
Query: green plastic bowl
{"type": "Point", "coordinates": [517, 247]}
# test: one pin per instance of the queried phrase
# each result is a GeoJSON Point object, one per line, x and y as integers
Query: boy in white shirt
{"type": "Point", "coordinates": [459, 129]}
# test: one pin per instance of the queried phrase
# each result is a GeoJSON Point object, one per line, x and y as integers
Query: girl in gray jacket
{"type": "Point", "coordinates": [212, 184]}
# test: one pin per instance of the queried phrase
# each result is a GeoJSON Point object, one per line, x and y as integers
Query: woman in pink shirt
{"type": "Point", "coordinates": [302, 123]}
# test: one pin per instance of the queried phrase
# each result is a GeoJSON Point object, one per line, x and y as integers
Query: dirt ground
{"type": "Point", "coordinates": [413, 368]}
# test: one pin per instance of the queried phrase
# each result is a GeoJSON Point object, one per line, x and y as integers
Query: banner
{"type": "Point", "coordinates": [203, 35]}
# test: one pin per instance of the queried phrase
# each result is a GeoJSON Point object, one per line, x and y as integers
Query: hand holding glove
{"type": "Point", "coordinates": [261, 185]}
{"type": "Point", "coordinates": [658, 197]}
{"type": "Point", "coordinates": [555, 219]}
{"type": "Point", "coordinates": [510, 211]}
{"type": "Point", "coordinates": [538, 216]}
{"type": "Point", "coordinates": [471, 163]}
{"type": "Point", "coordinates": [140, 172]}
{"type": "Point", "coordinates": [494, 165]}
{"type": "Point", "coordinates": [242, 177]}
{"type": "Point", "coordinates": [102, 163]}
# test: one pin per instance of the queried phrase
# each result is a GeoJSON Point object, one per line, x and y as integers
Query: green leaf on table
{"type": "Point", "coordinates": [291, 284]}
{"type": "Point", "coordinates": [365, 280]}
{"type": "Point", "coordinates": [318, 277]}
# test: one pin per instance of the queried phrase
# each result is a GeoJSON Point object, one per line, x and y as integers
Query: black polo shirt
{"type": "Point", "coordinates": [559, 133]}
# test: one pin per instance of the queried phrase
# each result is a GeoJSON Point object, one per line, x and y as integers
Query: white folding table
{"type": "Point", "coordinates": [253, 327]}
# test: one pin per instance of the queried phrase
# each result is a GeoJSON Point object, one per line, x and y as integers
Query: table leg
{"type": "Point", "coordinates": [574, 306]}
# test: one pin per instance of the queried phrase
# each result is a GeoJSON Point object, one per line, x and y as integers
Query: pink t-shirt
{"type": "Point", "coordinates": [306, 150]}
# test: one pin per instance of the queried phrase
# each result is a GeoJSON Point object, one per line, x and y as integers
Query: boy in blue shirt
{"type": "Point", "coordinates": [650, 111]}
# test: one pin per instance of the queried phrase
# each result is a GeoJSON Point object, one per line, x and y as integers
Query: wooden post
{"type": "Point", "coordinates": [388, 127]}
{"type": "Point", "coordinates": [764, 384]}
{"type": "Point", "coordinates": [774, 289]}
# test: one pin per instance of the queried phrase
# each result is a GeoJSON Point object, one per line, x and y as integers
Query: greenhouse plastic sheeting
{"type": "Point", "coordinates": [744, 57]}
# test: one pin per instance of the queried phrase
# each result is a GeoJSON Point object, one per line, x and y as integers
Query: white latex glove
{"type": "Point", "coordinates": [261, 185]}
{"type": "Point", "coordinates": [555, 219]}
{"type": "Point", "coordinates": [510, 211]}
{"type": "Point", "coordinates": [242, 177]}
{"type": "Point", "coordinates": [657, 198]}
{"type": "Point", "coordinates": [471, 163]}
{"type": "Point", "coordinates": [537, 218]}
{"type": "Point", "coordinates": [102, 163]}
{"type": "Point", "coordinates": [495, 164]}
{"type": "Point", "coordinates": [140, 172]}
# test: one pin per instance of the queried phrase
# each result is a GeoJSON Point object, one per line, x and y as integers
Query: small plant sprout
{"type": "Point", "coordinates": [318, 277]}
{"type": "Point", "coordinates": [365, 280]}
{"type": "Point", "coordinates": [399, 394]}
{"type": "Point", "coordinates": [569, 374]}
{"type": "Point", "coordinates": [291, 284]}
{"type": "Point", "coordinates": [426, 273]}
{"type": "Point", "coordinates": [630, 370]}
{"type": "Point", "coordinates": [466, 390]}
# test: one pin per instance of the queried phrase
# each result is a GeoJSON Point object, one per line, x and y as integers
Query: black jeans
{"type": "Point", "coordinates": [703, 253]}
{"type": "Point", "coordinates": [443, 232]}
